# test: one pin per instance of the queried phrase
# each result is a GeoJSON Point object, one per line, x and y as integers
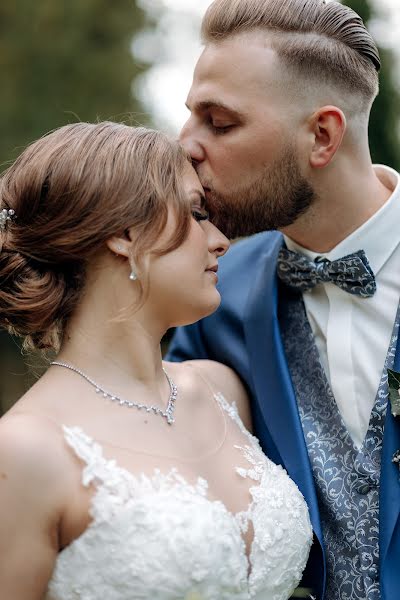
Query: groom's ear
{"type": "Point", "coordinates": [327, 127]}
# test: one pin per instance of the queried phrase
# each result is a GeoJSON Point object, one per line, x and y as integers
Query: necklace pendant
{"type": "Point", "coordinates": [169, 414]}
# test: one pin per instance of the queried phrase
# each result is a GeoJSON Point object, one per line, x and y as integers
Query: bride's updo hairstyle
{"type": "Point", "coordinates": [71, 191]}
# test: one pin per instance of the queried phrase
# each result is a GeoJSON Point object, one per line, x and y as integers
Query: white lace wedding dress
{"type": "Point", "coordinates": [160, 537]}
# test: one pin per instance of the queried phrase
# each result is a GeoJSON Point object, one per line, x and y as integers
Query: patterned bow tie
{"type": "Point", "coordinates": [351, 273]}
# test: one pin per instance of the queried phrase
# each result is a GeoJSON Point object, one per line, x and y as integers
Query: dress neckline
{"type": "Point", "coordinates": [99, 470]}
{"type": "Point", "coordinates": [126, 509]}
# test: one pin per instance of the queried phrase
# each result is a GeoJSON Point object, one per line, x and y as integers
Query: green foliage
{"type": "Point", "coordinates": [385, 116]}
{"type": "Point", "coordinates": [394, 392]}
{"type": "Point", "coordinates": [63, 61]}
{"type": "Point", "coordinates": [362, 8]}
{"type": "Point", "coordinates": [60, 61]}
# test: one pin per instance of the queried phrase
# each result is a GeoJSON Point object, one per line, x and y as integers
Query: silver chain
{"type": "Point", "coordinates": [167, 414]}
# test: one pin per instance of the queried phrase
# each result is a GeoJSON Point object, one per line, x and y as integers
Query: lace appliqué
{"type": "Point", "coordinates": [160, 537]}
{"type": "Point", "coordinates": [276, 509]}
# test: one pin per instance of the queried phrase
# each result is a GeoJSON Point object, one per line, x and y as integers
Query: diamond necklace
{"type": "Point", "coordinates": [167, 414]}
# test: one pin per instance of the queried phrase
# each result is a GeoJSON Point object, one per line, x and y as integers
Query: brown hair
{"type": "Point", "coordinates": [326, 41]}
{"type": "Point", "coordinates": [71, 191]}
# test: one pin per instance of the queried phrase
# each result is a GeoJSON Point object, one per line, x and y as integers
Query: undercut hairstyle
{"type": "Point", "coordinates": [71, 191]}
{"type": "Point", "coordinates": [324, 41]}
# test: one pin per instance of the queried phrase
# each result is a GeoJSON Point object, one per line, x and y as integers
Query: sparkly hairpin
{"type": "Point", "coordinates": [6, 215]}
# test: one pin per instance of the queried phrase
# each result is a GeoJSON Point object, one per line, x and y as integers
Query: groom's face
{"type": "Point", "coordinates": [242, 137]}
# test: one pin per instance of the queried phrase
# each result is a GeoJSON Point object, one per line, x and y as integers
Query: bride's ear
{"type": "Point", "coordinates": [121, 245]}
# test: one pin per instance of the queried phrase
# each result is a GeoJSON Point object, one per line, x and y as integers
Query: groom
{"type": "Point", "coordinates": [278, 134]}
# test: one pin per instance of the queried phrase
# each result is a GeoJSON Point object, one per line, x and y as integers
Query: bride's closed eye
{"type": "Point", "coordinates": [200, 214]}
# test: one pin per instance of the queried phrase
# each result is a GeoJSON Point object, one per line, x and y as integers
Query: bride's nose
{"type": "Point", "coordinates": [218, 243]}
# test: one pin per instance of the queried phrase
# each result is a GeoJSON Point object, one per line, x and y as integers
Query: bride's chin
{"type": "Point", "coordinates": [200, 312]}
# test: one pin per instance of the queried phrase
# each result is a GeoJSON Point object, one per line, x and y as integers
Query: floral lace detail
{"type": "Point", "coordinates": [252, 453]}
{"type": "Point", "coordinates": [271, 530]}
{"type": "Point", "coordinates": [116, 485]}
{"type": "Point", "coordinates": [160, 537]}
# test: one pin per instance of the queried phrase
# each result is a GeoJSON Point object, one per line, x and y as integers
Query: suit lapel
{"type": "Point", "coordinates": [272, 382]}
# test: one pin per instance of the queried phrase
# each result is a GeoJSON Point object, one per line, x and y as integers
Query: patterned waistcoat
{"type": "Point", "coordinates": [346, 478]}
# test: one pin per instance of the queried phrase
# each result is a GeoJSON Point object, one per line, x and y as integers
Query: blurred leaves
{"type": "Point", "coordinates": [394, 391]}
{"type": "Point", "coordinates": [64, 61]}
{"type": "Point", "coordinates": [60, 62]}
{"type": "Point", "coordinates": [384, 131]}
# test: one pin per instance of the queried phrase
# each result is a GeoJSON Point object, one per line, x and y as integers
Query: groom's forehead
{"type": "Point", "coordinates": [232, 70]}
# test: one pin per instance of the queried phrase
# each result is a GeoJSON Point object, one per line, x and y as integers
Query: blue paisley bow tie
{"type": "Point", "coordinates": [351, 273]}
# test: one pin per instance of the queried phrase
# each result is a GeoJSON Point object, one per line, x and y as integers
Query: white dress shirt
{"type": "Point", "coordinates": [352, 334]}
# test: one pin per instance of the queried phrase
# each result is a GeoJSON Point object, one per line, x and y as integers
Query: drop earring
{"type": "Point", "coordinates": [133, 276]}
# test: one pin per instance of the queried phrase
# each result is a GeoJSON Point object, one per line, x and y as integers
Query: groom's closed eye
{"type": "Point", "coordinates": [218, 116]}
{"type": "Point", "coordinates": [218, 127]}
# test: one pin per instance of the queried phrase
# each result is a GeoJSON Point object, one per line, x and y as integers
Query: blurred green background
{"type": "Point", "coordinates": [61, 62]}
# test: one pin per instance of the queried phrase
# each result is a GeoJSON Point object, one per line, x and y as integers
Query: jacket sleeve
{"type": "Point", "coordinates": [187, 344]}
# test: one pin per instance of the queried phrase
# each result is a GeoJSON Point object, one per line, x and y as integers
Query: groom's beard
{"type": "Point", "coordinates": [274, 201]}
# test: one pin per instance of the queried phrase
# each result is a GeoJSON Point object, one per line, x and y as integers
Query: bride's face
{"type": "Point", "coordinates": [182, 283]}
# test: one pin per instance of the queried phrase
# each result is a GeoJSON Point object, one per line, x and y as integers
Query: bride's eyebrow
{"type": "Point", "coordinates": [196, 194]}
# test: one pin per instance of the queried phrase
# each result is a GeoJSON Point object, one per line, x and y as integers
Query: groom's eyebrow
{"type": "Point", "coordinates": [205, 105]}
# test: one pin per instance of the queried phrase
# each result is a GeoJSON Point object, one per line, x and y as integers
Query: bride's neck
{"type": "Point", "coordinates": [99, 343]}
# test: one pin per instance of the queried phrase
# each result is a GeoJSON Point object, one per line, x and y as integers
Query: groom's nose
{"type": "Point", "coordinates": [190, 141]}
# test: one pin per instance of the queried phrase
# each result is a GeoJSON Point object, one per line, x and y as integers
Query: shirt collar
{"type": "Point", "coordinates": [378, 237]}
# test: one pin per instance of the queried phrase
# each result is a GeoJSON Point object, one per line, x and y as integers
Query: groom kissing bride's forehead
{"type": "Point", "coordinates": [278, 134]}
{"type": "Point", "coordinates": [279, 106]}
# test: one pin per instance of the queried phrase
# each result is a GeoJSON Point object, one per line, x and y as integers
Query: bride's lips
{"type": "Point", "coordinates": [213, 270]}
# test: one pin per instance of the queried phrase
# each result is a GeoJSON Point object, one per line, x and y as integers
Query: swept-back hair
{"type": "Point", "coordinates": [326, 41]}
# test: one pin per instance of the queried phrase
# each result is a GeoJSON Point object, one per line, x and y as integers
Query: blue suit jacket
{"type": "Point", "coordinates": [244, 334]}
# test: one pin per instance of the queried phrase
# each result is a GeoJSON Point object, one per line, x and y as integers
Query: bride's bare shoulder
{"type": "Point", "coordinates": [33, 455]}
{"type": "Point", "coordinates": [225, 380]}
{"type": "Point", "coordinates": [32, 497]}
{"type": "Point", "coordinates": [28, 444]}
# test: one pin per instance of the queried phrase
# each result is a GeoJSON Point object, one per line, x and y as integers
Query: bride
{"type": "Point", "coordinates": [123, 477]}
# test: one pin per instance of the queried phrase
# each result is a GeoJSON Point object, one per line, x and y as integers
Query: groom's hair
{"type": "Point", "coordinates": [318, 40]}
